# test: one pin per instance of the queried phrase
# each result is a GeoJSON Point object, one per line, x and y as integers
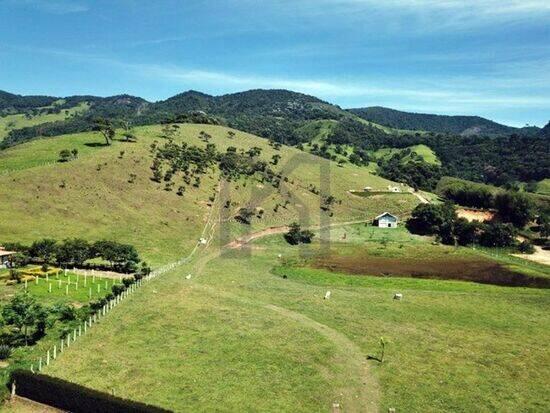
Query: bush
{"type": "Point", "coordinates": [128, 281]}
{"type": "Point", "coordinates": [73, 397]}
{"type": "Point", "coordinates": [297, 236]}
{"type": "Point", "coordinates": [118, 289]}
{"type": "Point", "coordinates": [5, 351]}
{"type": "Point", "coordinates": [525, 247]}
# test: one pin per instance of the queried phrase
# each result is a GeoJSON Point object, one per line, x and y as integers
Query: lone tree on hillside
{"type": "Point", "coordinates": [296, 235]}
{"type": "Point", "coordinates": [105, 127]}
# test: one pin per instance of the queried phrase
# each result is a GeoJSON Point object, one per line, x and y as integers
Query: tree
{"type": "Point", "coordinates": [122, 257]}
{"type": "Point", "coordinates": [44, 250]}
{"type": "Point", "coordinates": [25, 313]}
{"type": "Point", "coordinates": [498, 235]}
{"type": "Point", "coordinates": [467, 233]}
{"type": "Point", "coordinates": [245, 215]}
{"type": "Point", "coordinates": [105, 127]}
{"type": "Point", "coordinates": [65, 155]}
{"type": "Point", "coordinates": [430, 219]}
{"type": "Point", "coordinates": [515, 207]}
{"type": "Point", "coordinates": [296, 235]}
{"type": "Point", "coordinates": [73, 251]}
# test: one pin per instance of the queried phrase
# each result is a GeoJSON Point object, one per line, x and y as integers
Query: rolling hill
{"type": "Point", "coordinates": [461, 125]}
{"type": "Point", "coordinates": [107, 191]}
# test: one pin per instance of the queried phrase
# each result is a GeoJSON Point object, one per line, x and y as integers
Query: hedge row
{"type": "Point", "coordinates": [72, 397]}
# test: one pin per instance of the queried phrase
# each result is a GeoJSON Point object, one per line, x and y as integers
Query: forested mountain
{"type": "Point", "coordinates": [462, 125]}
{"type": "Point", "coordinates": [10, 103]}
{"type": "Point", "coordinates": [474, 148]}
{"type": "Point", "coordinates": [545, 132]}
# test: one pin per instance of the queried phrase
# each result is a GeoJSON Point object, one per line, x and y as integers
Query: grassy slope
{"type": "Point", "coordinates": [239, 336]}
{"type": "Point", "coordinates": [424, 151]}
{"type": "Point", "coordinates": [19, 121]}
{"type": "Point", "coordinates": [543, 187]}
{"type": "Point", "coordinates": [103, 204]}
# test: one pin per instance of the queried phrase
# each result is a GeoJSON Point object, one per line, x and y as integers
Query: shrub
{"type": "Point", "coordinates": [5, 351]}
{"type": "Point", "coordinates": [118, 289]}
{"type": "Point", "coordinates": [73, 397]}
{"type": "Point", "coordinates": [128, 281]}
{"type": "Point", "coordinates": [525, 247]}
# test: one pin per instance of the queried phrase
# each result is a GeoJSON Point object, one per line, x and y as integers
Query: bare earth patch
{"type": "Point", "coordinates": [478, 270]}
{"type": "Point", "coordinates": [475, 214]}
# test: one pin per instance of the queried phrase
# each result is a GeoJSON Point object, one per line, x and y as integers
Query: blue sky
{"type": "Point", "coordinates": [483, 57]}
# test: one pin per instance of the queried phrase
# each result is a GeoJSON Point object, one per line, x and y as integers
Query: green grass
{"type": "Point", "coordinates": [18, 121]}
{"type": "Point", "coordinates": [543, 187]}
{"type": "Point", "coordinates": [23, 357]}
{"type": "Point", "coordinates": [241, 335]}
{"type": "Point", "coordinates": [425, 152]}
{"type": "Point", "coordinates": [91, 197]}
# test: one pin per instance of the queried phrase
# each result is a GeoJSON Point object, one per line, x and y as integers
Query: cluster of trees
{"type": "Point", "coordinates": [409, 167]}
{"type": "Point", "coordinates": [517, 208]}
{"type": "Point", "coordinates": [441, 220]}
{"type": "Point", "coordinates": [191, 162]}
{"type": "Point", "coordinates": [296, 235]}
{"type": "Point", "coordinates": [75, 252]}
{"type": "Point", "coordinates": [67, 155]}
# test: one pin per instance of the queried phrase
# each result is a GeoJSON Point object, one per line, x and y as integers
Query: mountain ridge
{"type": "Point", "coordinates": [460, 124]}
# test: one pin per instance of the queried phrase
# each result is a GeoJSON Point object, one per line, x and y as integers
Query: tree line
{"type": "Point", "coordinates": [75, 252]}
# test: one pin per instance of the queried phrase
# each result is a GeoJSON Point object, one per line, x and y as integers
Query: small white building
{"type": "Point", "coordinates": [394, 188]}
{"type": "Point", "coordinates": [367, 188]}
{"type": "Point", "coordinates": [5, 257]}
{"type": "Point", "coordinates": [386, 220]}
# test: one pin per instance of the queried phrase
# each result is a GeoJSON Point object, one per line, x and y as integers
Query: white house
{"type": "Point", "coordinates": [394, 188]}
{"type": "Point", "coordinates": [386, 220]}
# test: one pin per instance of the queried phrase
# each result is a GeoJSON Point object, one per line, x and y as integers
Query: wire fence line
{"type": "Point", "coordinates": [84, 327]}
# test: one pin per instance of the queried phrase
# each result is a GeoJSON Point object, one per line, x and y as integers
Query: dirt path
{"type": "Point", "coordinates": [352, 361]}
{"type": "Point", "coordinates": [245, 239]}
{"type": "Point", "coordinates": [541, 256]}
{"type": "Point", "coordinates": [420, 197]}
{"type": "Point", "coordinates": [348, 355]}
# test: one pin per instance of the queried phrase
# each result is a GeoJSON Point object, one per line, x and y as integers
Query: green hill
{"type": "Point", "coordinates": [462, 125]}
{"type": "Point", "coordinates": [38, 117]}
{"type": "Point", "coordinates": [108, 192]}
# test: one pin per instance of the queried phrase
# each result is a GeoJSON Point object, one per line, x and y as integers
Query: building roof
{"type": "Point", "coordinates": [384, 214]}
{"type": "Point", "coordinates": [4, 253]}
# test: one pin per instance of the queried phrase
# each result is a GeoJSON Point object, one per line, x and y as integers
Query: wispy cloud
{"type": "Point", "coordinates": [50, 6]}
{"type": "Point", "coordinates": [420, 15]}
{"type": "Point", "coordinates": [521, 86]}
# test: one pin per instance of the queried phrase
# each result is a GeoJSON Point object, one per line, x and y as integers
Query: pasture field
{"type": "Point", "coordinates": [425, 152]}
{"type": "Point", "coordinates": [107, 192]}
{"type": "Point", "coordinates": [251, 331]}
{"type": "Point", "coordinates": [76, 295]}
{"type": "Point", "coordinates": [18, 121]}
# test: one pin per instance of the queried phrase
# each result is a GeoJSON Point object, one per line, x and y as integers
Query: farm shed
{"type": "Point", "coordinates": [4, 257]}
{"type": "Point", "coordinates": [386, 220]}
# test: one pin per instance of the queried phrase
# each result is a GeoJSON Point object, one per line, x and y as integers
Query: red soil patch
{"type": "Point", "coordinates": [475, 214]}
{"type": "Point", "coordinates": [478, 270]}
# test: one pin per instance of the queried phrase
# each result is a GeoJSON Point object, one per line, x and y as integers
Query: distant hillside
{"type": "Point", "coordinates": [10, 103]}
{"type": "Point", "coordinates": [461, 125]}
{"type": "Point", "coordinates": [545, 132]}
